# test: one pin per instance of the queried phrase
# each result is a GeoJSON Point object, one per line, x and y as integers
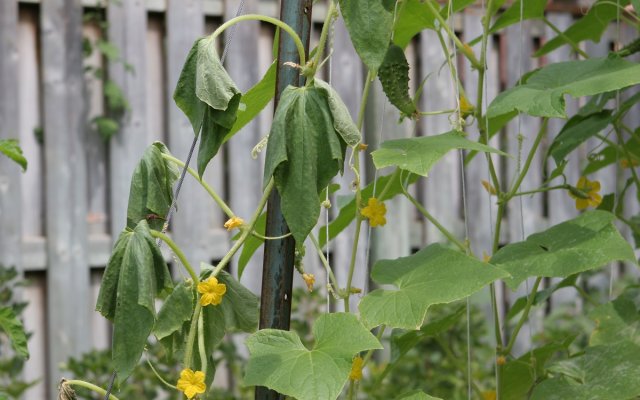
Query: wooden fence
{"type": "Point", "coordinates": [57, 220]}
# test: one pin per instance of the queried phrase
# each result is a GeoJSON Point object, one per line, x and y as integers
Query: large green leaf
{"type": "Point", "coordinates": [11, 325]}
{"type": "Point", "coordinates": [420, 154]}
{"type": "Point", "coordinates": [520, 10]}
{"type": "Point", "coordinates": [176, 310]}
{"type": "Point", "coordinates": [11, 149]}
{"type": "Point", "coordinates": [583, 243]}
{"type": "Point", "coordinates": [590, 27]}
{"type": "Point", "coordinates": [618, 319]}
{"type": "Point", "coordinates": [369, 24]}
{"type": "Point", "coordinates": [576, 131]}
{"type": "Point", "coordinates": [136, 274]}
{"type": "Point", "coordinates": [208, 97]}
{"type": "Point", "coordinates": [255, 100]}
{"type": "Point", "coordinates": [279, 360]}
{"type": "Point", "coordinates": [304, 153]}
{"type": "Point", "coordinates": [151, 190]}
{"type": "Point", "coordinates": [434, 275]}
{"type": "Point", "coordinates": [348, 210]}
{"type": "Point", "coordinates": [608, 372]}
{"type": "Point", "coordinates": [543, 92]}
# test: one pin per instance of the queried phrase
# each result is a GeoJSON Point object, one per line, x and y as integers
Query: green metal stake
{"type": "Point", "coordinates": [277, 269]}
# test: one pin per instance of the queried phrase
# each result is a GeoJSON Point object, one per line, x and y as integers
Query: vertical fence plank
{"type": "Point", "coordinates": [35, 322]}
{"type": "Point", "coordinates": [68, 317]}
{"type": "Point", "coordinates": [245, 173]}
{"type": "Point", "coordinates": [185, 23]}
{"type": "Point", "coordinates": [127, 31]}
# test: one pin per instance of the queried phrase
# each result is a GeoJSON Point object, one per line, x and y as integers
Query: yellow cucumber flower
{"type": "Point", "coordinates": [234, 222]}
{"type": "Point", "coordinates": [211, 291]}
{"type": "Point", "coordinates": [466, 108]}
{"type": "Point", "coordinates": [375, 212]}
{"type": "Point", "coordinates": [489, 188]}
{"type": "Point", "coordinates": [191, 382]}
{"type": "Point", "coordinates": [489, 395]}
{"type": "Point", "coordinates": [356, 369]}
{"type": "Point", "coordinates": [590, 190]}
{"type": "Point", "coordinates": [309, 279]}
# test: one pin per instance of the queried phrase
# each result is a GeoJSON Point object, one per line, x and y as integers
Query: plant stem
{"type": "Point", "coordinates": [564, 37]}
{"type": "Point", "coordinates": [90, 386]}
{"type": "Point", "coordinates": [468, 53]}
{"type": "Point", "coordinates": [246, 232]}
{"type": "Point", "coordinates": [586, 296]}
{"type": "Point", "coordinates": [178, 252]}
{"type": "Point", "coordinates": [324, 261]}
{"type": "Point", "coordinates": [259, 236]}
{"type": "Point", "coordinates": [352, 264]}
{"type": "Point", "coordinates": [541, 190]}
{"type": "Point", "coordinates": [326, 27]}
{"type": "Point", "coordinates": [438, 112]}
{"type": "Point", "coordinates": [188, 351]}
{"type": "Point", "coordinates": [264, 18]}
{"type": "Point", "coordinates": [201, 347]}
{"type": "Point", "coordinates": [435, 222]}
{"type": "Point", "coordinates": [527, 164]}
{"type": "Point", "coordinates": [524, 316]}
{"type": "Point", "coordinates": [161, 379]}
{"type": "Point", "coordinates": [225, 208]}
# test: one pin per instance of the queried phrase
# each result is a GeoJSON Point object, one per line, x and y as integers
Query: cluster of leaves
{"type": "Point", "coordinates": [11, 149]}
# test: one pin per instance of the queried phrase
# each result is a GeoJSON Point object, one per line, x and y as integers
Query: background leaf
{"type": "Point", "coordinates": [434, 275]}
{"type": "Point", "coordinates": [617, 320]}
{"type": "Point", "coordinates": [519, 10]}
{"type": "Point", "coordinates": [281, 362]}
{"type": "Point", "coordinates": [11, 149]}
{"type": "Point", "coordinates": [14, 329]}
{"type": "Point", "coordinates": [583, 243]}
{"type": "Point", "coordinates": [420, 154]}
{"type": "Point", "coordinates": [576, 131]}
{"type": "Point", "coordinates": [543, 92]}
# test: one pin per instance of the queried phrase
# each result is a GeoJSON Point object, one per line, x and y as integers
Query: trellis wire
{"type": "Point", "coordinates": [176, 193]}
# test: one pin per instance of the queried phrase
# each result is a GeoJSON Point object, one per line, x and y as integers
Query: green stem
{"type": "Point", "coordinates": [468, 53]}
{"type": "Point", "coordinates": [541, 190]}
{"type": "Point", "coordinates": [326, 27]}
{"type": "Point", "coordinates": [259, 236]}
{"type": "Point", "coordinates": [225, 208]}
{"type": "Point", "coordinates": [264, 18]}
{"type": "Point", "coordinates": [352, 264]}
{"type": "Point", "coordinates": [435, 222]}
{"type": "Point", "coordinates": [161, 379]}
{"type": "Point", "coordinates": [201, 347]}
{"type": "Point", "coordinates": [564, 37]}
{"type": "Point", "coordinates": [178, 252]}
{"type": "Point", "coordinates": [585, 295]}
{"type": "Point", "coordinates": [90, 386]}
{"type": "Point", "coordinates": [369, 354]}
{"type": "Point", "coordinates": [523, 317]}
{"type": "Point", "coordinates": [324, 261]}
{"type": "Point", "coordinates": [191, 338]}
{"type": "Point", "coordinates": [527, 163]}
{"type": "Point", "coordinates": [438, 112]}
{"type": "Point", "coordinates": [246, 232]}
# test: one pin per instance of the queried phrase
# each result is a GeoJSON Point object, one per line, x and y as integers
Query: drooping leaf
{"type": "Point", "coordinates": [394, 77]}
{"type": "Point", "coordinates": [136, 274]}
{"type": "Point", "coordinates": [420, 154]}
{"type": "Point", "coordinates": [304, 153]}
{"type": "Point", "coordinates": [348, 211]}
{"type": "Point", "coordinates": [617, 320]}
{"type": "Point", "coordinates": [11, 325]}
{"type": "Point", "coordinates": [519, 10]}
{"type": "Point", "coordinates": [576, 131]}
{"type": "Point", "coordinates": [434, 275]}
{"type": "Point", "coordinates": [215, 127]}
{"type": "Point", "coordinates": [255, 100]}
{"type": "Point", "coordinates": [151, 190]}
{"type": "Point", "coordinates": [369, 24]}
{"type": "Point", "coordinates": [11, 149]}
{"type": "Point", "coordinates": [279, 360]}
{"type": "Point", "coordinates": [417, 395]}
{"type": "Point", "coordinates": [607, 372]}
{"type": "Point", "coordinates": [590, 27]}
{"type": "Point", "coordinates": [543, 92]}
{"type": "Point", "coordinates": [583, 243]}
{"type": "Point", "coordinates": [342, 121]}
{"type": "Point", "coordinates": [176, 310]}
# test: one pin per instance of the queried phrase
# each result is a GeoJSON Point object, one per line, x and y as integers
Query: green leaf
{"type": "Point", "coordinates": [420, 154]}
{"type": "Point", "coordinates": [417, 395]}
{"type": "Point", "coordinates": [213, 84]}
{"type": "Point", "coordinates": [531, 9]}
{"type": "Point", "coordinates": [108, 49]}
{"type": "Point", "coordinates": [610, 155]}
{"type": "Point", "coordinates": [617, 320]}
{"type": "Point", "coordinates": [543, 92]}
{"type": "Point", "coordinates": [369, 25]}
{"type": "Point", "coordinates": [116, 102]}
{"type": "Point", "coordinates": [541, 296]}
{"type": "Point", "coordinates": [342, 121]}
{"type": "Point", "coordinates": [576, 131]}
{"type": "Point", "coordinates": [348, 211]}
{"type": "Point", "coordinates": [583, 243]}
{"type": "Point", "coordinates": [151, 190]}
{"type": "Point", "coordinates": [11, 325]}
{"type": "Point", "coordinates": [136, 274]}
{"type": "Point", "coordinates": [394, 77]}
{"type": "Point", "coordinates": [434, 275]}
{"type": "Point", "coordinates": [255, 100]}
{"type": "Point", "coordinates": [608, 372]}
{"type": "Point", "coordinates": [106, 127]}
{"type": "Point", "coordinates": [215, 127]}
{"type": "Point", "coordinates": [11, 149]}
{"type": "Point", "coordinates": [279, 360]}
{"type": "Point", "coordinates": [590, 27]}
{"type": "Point", "coordinates": [176, 310]}
{"type": "Point", "coordinates": [304, 153]}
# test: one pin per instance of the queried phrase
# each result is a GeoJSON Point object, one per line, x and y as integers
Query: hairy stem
{"type": "Point", "coordinates": [178, 252]}
{"type": "Point", "coordinates": [90, 386]}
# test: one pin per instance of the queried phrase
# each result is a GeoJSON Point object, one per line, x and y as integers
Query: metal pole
{"type": "Point", "coordinates": [277, 270]}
